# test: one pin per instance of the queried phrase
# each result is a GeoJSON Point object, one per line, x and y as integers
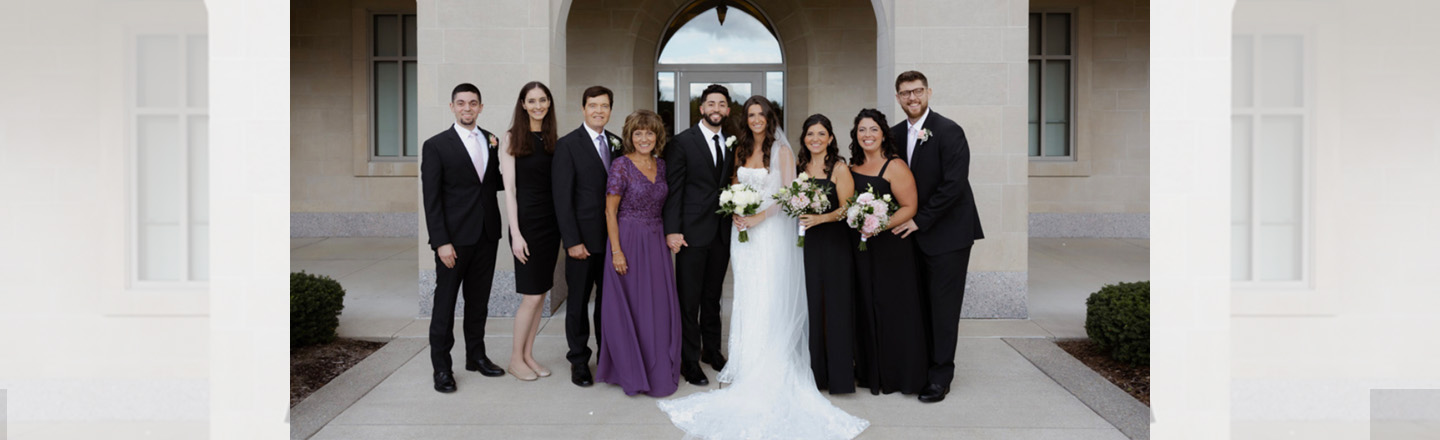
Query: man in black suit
{"type": "Point", "coordinates": [460, 173]}
{"type": "Point", "coordinates": [946, 225]}
{"type": "Point", "coordinates": [698, 166]}
{"type": "Point", "coordinates": [579, 174]}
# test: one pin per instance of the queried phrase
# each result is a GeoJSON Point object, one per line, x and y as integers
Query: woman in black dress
{"type": "Point", "coordinates": [890, 337]}
{"type": "Point", "coordinates": [534, 231]}
{"type": "Point", "coordinates": [829, 288]}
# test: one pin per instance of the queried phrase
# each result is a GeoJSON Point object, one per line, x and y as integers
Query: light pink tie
{"type": "Point", "coordinates": [479, 156]}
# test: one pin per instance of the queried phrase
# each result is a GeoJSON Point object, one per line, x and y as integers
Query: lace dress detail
{"type": "Point", "coordinates": [771, 392]}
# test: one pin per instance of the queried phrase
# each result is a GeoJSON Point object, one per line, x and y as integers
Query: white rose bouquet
{"type": "Point", "coordinates": [802, 196]}
{"type": "Point", "coordinates": [869, 214]}
{"type": "Point", "coordinates": [739, 199]}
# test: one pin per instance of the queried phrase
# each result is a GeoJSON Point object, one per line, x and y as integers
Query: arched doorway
{"type": "Point", "coordinates": [730, 43]}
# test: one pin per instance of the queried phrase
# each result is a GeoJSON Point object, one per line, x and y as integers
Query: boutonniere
{"type": "Point", "coordinates": [614, 143]}
{"type": "Point", "coordinates": [924, 135]}
{"type": "Point", "coordinates": [730, 143]}
{"type": "Point", "coordinates": [494, 142]}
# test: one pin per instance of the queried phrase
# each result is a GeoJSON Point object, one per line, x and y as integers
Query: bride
{"type": "Point", "coordinates": [771, 392]}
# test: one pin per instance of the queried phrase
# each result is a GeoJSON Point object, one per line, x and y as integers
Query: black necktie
{"type": "Point", "coordinates": [718, 155]}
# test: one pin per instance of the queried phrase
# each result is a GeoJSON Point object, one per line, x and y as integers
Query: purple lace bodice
{"type": "Point", "coordinates": [639, 198]}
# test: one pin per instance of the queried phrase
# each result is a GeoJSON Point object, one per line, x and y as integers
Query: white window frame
{"type": "Point", "coordinates": [1314, 294]}
{"type": "Point", "coordinates": [1073, 79]}
{"type": "Point", "coordinates": [132, 296]}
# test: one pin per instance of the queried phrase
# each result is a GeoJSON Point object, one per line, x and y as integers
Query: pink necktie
{"type": "Point", "coordinates": [479, 157]}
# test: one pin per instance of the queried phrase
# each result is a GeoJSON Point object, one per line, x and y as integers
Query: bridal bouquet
{"type": "Point", "coordinates": [739, 199]}
{"type": "Point", "coordinates": [869, 214]}
{"type": "Point", "coordinates": [802, 196]}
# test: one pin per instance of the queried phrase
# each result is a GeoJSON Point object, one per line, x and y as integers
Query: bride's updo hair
{"type": "Point", "coordinates": [745, 141]}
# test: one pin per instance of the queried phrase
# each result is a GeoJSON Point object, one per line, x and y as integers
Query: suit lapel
{"type": "Point", "coordinates": [492, 160]}
{"type": "Point", "coordinates": [926, 126]}
{"type": "Point", "coordinates": [459, 146]}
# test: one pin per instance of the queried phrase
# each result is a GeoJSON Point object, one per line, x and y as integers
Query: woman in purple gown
{"type": "Point", "coordinates": [641, 311]}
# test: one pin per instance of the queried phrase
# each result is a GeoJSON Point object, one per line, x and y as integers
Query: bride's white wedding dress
{"type": "Point", "coordinates": [771, 391]}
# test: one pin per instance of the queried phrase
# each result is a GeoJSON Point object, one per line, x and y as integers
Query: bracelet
{"type": "Point", "coordinates": [614, 252]}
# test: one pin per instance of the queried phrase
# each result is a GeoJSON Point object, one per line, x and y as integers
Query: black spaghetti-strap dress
{"type": "Point", "coordinates": [890, 333]}
{"type": "Point", "coordinates": [830, 291]}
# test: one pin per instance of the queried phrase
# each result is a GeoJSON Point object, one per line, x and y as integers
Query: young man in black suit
{"type": "Point", "coordinates": [698, 166]}
{"type": "Point", "coordinates": [459, 175]}
{"type": "Point", "coordinates": [946, 225]}
{"type": "Point", "coordinates": [579, 174]}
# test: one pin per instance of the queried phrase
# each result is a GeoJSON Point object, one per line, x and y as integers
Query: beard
{"type": "Point", "coordinates": [715, 118]}
{"type": "Point", "coordinates": [917, 113]}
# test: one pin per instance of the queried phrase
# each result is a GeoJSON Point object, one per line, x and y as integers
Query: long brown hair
{"type": "Point", "coordinates": [832, 151]}
{"type": "Point", "coordinates": [521, 142]}
{"type": "Point", "coordinates": [745, 140]}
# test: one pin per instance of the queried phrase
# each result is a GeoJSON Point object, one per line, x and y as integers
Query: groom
{"type": "Point", "coordinates": [697, 167]}
{"type": "Point", "coordinates": [946, 225]}
{"type": "Point", "coordinates": [459, 175]}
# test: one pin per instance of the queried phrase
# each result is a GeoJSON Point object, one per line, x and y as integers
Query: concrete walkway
{"type": "Point", "coordinates": [998, 392]}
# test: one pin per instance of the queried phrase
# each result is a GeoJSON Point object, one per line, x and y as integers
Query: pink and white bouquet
{"type": "Point", "coordinates": [739, 199]}
{"type": "Point", "coordinates": [869, 214]}
{"type": "Point", "coordinates": [802, 196]}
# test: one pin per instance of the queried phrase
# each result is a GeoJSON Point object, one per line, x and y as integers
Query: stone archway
{"type": "Point", "coordinates": [830, 49]}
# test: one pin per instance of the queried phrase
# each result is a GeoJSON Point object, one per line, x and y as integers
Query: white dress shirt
{"type": "Point", "coordinates": [477, 146]}
{"type": "Point", "coordinates": [912, 131]}
{"type": "Point", "coordinates": [710, 140]}
{"type": "Point", "coordinates": [601, 147]}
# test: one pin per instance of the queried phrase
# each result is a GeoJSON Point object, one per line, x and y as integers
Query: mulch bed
{"type": "Point", "coordinates": [314, 366]}
{"type": "Point", "coordinates": [1134, 380]}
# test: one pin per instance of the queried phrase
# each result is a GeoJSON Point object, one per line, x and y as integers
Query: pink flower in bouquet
{"type": "Point", "coordinates": [865, 198]}
{"type": "Point", "coordinates": [872, 225]}
{"type": "Point", "coordinates": [798, 202]}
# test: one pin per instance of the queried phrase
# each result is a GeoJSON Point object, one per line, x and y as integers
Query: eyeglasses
{"type": "Point", "coordinates": [913, 93]}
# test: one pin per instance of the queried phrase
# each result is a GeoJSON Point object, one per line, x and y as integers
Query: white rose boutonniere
{"type": "Point", "coordinates": [614, 143]}
{"type": "Point", "coordinates": [924, 135]}
{"type": "Point", "coordinates": [730, 143]}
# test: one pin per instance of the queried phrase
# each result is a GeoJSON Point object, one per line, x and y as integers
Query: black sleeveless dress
{"type": "Point", "coordinates": [830, 288]}
{"type": "Point", "coordinates": [890, 335]}
{"type": "Point", "coordinates": [536, 210]}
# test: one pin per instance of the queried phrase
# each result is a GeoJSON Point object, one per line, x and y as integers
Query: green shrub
{"type": "Point", "coordinates": [315, 304]}
{"type": "Point", "coordinates": [1117, 318]}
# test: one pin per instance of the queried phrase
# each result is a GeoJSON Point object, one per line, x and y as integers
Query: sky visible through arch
{"type": "Point", "coordinates": [702, 40]}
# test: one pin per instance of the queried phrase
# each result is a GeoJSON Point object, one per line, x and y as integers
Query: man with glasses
{"type": "Point", "coordinates": [946, 224]}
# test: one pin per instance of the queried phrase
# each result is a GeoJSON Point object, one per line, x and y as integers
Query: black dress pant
{"type": "Point", "coordinates": [475, 272]}
{"type": "Point", "coordinates": [700, 276]}
{"type": "Point", "coordinates": [580, 277]}
{"type": "Point", "coordinates": [942, 287]}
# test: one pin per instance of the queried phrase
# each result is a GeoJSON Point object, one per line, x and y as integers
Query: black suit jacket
{"type": "Point", "coordinates": [579, 177]}
{"type": "Point", "coordinates": [695, 183]}
{"type": "Point", "coordinates": [947, 217]}
{"type": "Point", "coordinates": [459, 208]}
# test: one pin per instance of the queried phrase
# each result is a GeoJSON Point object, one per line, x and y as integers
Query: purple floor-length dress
{"type": "Point", "coordinates": [641, 311]}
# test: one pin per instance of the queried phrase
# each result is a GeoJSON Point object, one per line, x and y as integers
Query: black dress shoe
{"type": "Point", "coordinates": [444, 382]}
{"type": "Point", "coordinates": [485, 367]}
{"type": "Point", "coordinates": [580, 375]}
{"type": "Point", "coordinates": [693, 374]}
{"type": "Point", "coordinates": [715, 359]}
{"type": "Point", "coordinates": [933, 393]}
